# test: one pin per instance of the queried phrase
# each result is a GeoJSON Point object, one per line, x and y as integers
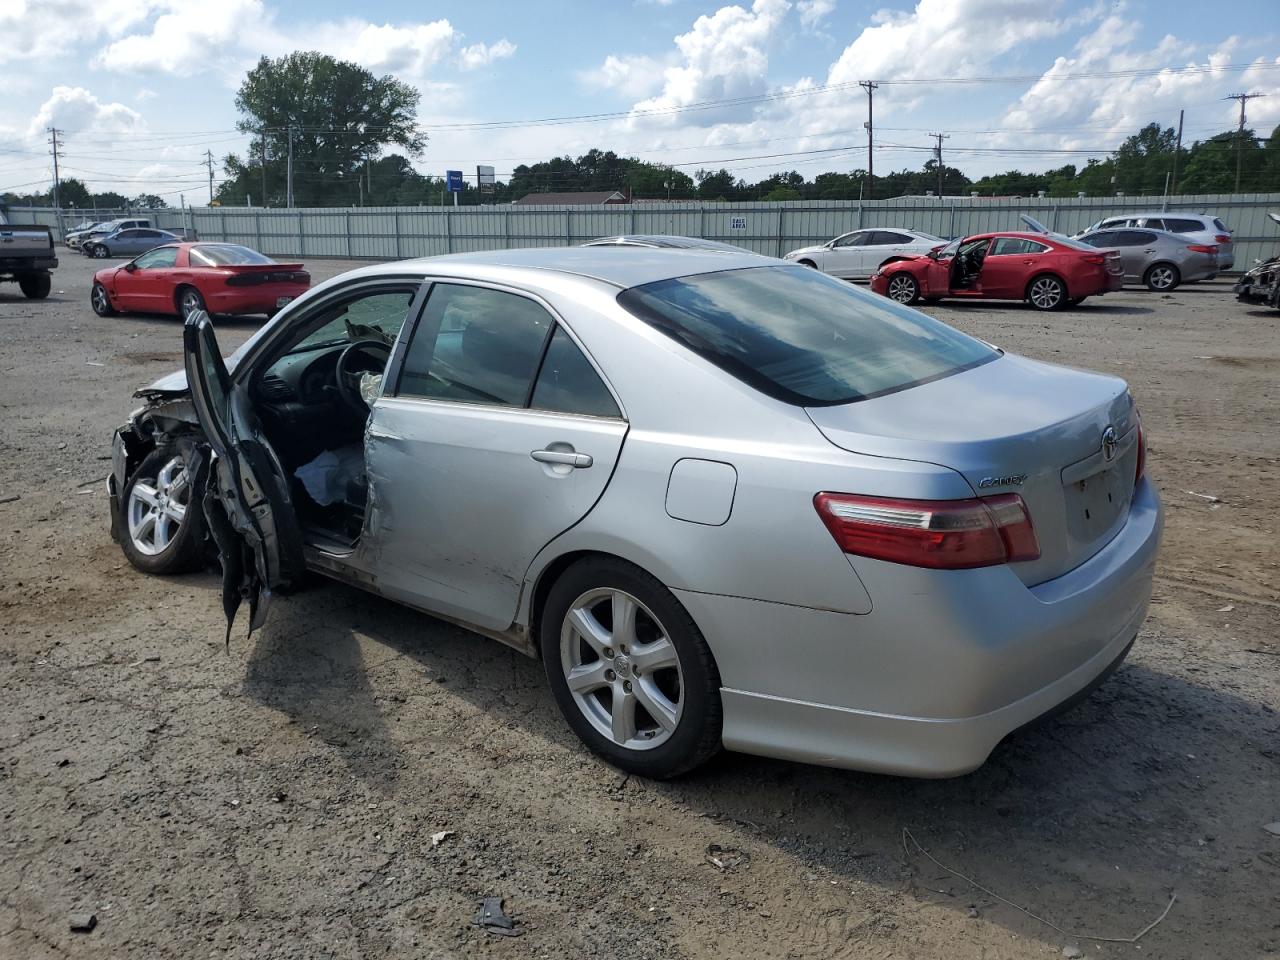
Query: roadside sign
{"type": "Point", "coordinates": [454, 180]}
{"type": "Point", "coordinates": [485, 178]}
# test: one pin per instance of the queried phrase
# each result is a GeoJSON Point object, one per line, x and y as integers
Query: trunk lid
{"type": "Point", "coordinates": [1014, 426]}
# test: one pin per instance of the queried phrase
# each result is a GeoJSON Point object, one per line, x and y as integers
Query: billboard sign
{"type": "Point", "coordinates": [485, 179]}
{"type": "Point", "coordinates": [453, 179]}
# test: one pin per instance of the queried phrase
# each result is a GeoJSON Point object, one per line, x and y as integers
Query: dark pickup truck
{"type": "Point", "coordinates": [26, 257]}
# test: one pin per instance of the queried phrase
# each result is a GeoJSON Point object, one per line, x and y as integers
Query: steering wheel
{"type": "Point", "coordinates": [361, 356]}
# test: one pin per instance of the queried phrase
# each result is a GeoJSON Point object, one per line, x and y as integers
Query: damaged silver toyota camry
{"type": "Point", "coordinates": [728, 501]}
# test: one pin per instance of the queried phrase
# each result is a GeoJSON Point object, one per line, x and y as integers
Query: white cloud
{"type": "Point", "coordinates": [725, 55]}
{"type": "Point", "coordinates": [481, 55]}
{"type": "Point", "coordinates": [40, 29]}
{"type": "Point", "coordinates": [635, 77]}
{"type": "Point", "coordinates": [186, 40]}
{"type": "Point", "coordinates": [76, 110]}
{"type": "Point", "coordinates": [410, 50]}
{"type": "Point", "coordinates": [813, 12]}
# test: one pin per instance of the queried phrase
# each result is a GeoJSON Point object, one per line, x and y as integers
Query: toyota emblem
{"type": "Point", "coordinates": [1109, 444]}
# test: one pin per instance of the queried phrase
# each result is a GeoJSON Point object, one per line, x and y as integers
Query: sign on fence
{"type": "Point", "coordinates": [737, 223]}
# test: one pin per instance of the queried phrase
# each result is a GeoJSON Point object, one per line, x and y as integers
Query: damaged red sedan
{"type": "Point", "coordinates": [181, 278]}
{"type": "Point", "coordinates": [1046, 270]}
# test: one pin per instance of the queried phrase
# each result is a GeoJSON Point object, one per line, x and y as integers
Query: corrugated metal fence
{"type": "Point", "coordinates": [772, 228]}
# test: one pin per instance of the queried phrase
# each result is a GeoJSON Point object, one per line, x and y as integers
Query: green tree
{"type": "Point", "coordinates": [110, 200]}
{"type": "Point", "coordinates": [341, 116]}
{"type": "Point", "coordinates": [148, 201]}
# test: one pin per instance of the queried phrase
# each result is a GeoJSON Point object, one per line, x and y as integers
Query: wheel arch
{"type": "Point", "coordinates": [177, 294]}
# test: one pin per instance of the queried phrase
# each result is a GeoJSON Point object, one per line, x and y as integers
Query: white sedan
{"type": "Point", "coordinates": [857, 255]}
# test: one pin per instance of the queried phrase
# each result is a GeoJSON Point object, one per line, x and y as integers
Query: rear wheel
{"type": "Point", "coordinates": [1046, 293]}
{"type": "Point", "coordinates": [1162, 277]}
{"type": "Point", "coordinates": [99, 252]}
{"type": "Point", "coordinates": [162, 524]}
{"type": "Point", "coordinates": [35, 286]}
{"type": "Point", "coordinates": [189, 301]}
{"type": "Point", "coordinates": [903, 288]}
{"type": "Point", "coordinates": [630, 670]}
{"type": "Point", "coordinates": [101, 301]}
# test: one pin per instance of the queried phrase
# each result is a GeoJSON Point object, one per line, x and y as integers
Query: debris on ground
{"type": "Point", "coordinates": [440, 837]}
{"type": "Point", "coordinates": [1072, 952]}
{"type": "Point", "coordinates": [9, 499]}
{"type": "Point", "coordinates": [1272, 828]}
{"type": "Point", "coordinates": [494, 920]}
{"type": "Point", "coordinates": [150, 658]}
{"type": "Point", "coordinates": [973, 913]}
{"type": "Point", "coordinates": [727, 858]}
{"type": "Point", "coordinates": [1227, 609]}
{"type": "Point", "coordinates": [83, 922]}
{"type": "Point", "coordinates": [1203, 496]}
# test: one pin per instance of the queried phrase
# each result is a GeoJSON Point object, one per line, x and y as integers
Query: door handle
{"type": "Point", "coordinates": [563, 457]}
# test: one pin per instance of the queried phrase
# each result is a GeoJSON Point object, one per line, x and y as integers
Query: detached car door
{"type": "Point", "coordinates": [246, 503]}
{"type": "Point", "coordinates": [494, 434]}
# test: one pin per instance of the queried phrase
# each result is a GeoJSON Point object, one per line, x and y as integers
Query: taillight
{"type": "Point", "coordinates": [254, 279]}
{"type": "Point", "coordinates": [1097, 258]}
{"type": "Point", "coordinates": [1223, 238]}
{"type": "Point", "coordinates": [1202, 248]}
{"type": "Point", "coordinates": [940, 534]}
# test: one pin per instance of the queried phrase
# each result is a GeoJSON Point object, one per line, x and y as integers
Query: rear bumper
{"type": "Point", "coordinates": [27, 264]}
{"type": "Point", "coordinates": [926, 687]}
{"type": "Point", "coordinates": [263, 299]}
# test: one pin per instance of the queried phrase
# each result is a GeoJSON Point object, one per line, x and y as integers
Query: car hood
{"type": "Point", "coordinates": [817, 248]}
{"type": "Point", "coordinates": [173, 385]}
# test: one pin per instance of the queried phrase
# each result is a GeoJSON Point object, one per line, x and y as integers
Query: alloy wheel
{"type": "Point", "coordinates": [100, 253]}
{"type": "Point", "coordinates": [1046, 293]}
{"type": "Point", "coordinates": [101, 303]}
{"type": "Point", "coordinates": [190, 303]}
{"type": "Point", "coordinates": [156, 509]}
{"type": "Point", "coordinates": [902, 289]}
{"type": "Point", "coordinates": [622, 669]}
{"type": "Point", "coordinates": [1161, 278]}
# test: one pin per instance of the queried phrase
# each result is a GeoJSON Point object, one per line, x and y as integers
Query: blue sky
{"type": "Point", "coordinates": [143, 87]}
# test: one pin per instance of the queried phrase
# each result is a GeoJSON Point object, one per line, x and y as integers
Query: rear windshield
{"type": "Point", "coordinates": [226, 254]}
{"type": "Point", "coordinates": [803, 337]}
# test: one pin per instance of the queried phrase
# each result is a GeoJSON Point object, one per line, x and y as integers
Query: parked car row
{"type": "Point", "coordinates": [1047, 269]}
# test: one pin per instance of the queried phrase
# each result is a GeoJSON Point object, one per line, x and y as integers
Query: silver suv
{"type": "Point", "coordinates": [1200, 228]}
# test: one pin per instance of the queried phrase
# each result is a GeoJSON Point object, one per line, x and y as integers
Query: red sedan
{"type": "Point", "coordinates": [180, 278]}
{"type": "Point", "coordinates": [1046, 270]}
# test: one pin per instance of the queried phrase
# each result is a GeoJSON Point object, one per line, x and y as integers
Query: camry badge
{"type": "Point", "coordinates": [1109, 444]}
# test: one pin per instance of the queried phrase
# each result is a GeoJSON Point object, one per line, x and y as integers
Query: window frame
{"type": "Point", "coordinates": [993, 252]}
{"type": "Point", "coordinates": [392, 377]}
{"type": "Point", "coordinates": [153, 251]}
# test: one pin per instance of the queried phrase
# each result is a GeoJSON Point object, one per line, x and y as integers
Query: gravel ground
{"type": "Point", "coordinates": [280, 801]}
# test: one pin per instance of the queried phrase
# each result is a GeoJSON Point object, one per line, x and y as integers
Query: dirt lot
{"type": "Point", "coordinates": [280, 801]}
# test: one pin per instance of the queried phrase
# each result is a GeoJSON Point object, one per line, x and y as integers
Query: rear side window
{"type": "Point", "coordinates": [567, 383]}
{"type": "Point", "coordinates": [1177, 225]}
{"type": "Point", "coordinates": [802, 337]}
{"type": "Point", "coordinates": [1103, 238]}
{"type": "Point", "coordinates": [1221, 226]}
{"type": "Point", "coordinates": [1016, 245]}
{"type": "Point", "coordinates": [882, 238]}
{"type": "Point", "coordinates": [475, 345]}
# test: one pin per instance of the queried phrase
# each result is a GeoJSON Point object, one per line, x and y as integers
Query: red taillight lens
{"type": "Point", "coordinates": [940, 534]}
{"type": "Point", "coordinates": [281, 276]}
{"type": "Point", "coordinates": [1223, 238]}
{"type": "Point", "coordinates": [1097, 258]}
{"type": "Point", "coordinates": [1202, 248]}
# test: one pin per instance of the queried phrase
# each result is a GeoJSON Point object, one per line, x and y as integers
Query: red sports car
{"type": "Point", "coordinates": [183, 277]}
{"type": "Point", "coordinates": [1046, 270]}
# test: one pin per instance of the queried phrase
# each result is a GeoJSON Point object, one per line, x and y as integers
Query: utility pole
{"type": "Point", "coordinates": [869, 86]}
{"type": "Point", "coordinates": [1243, 98]}
{"type": "Point", "coordinates": [1177, 153]}
{"type": "Point", "coordinates": [263, 140]}
{"type": "Point", "coordinates": [289, 169]}
{"type": "Point", "coordinates": [208, 162]}
{"type": "Point", "coordinates": [940, 137]}
{"type": "Point", "coordinates": [57, 180]}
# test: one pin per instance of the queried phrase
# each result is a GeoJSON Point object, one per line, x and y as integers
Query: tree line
{"type": "Point", "coordinates": [351, 138]}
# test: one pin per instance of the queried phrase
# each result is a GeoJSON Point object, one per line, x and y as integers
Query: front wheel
{"type": "Point", "coordinates": [100, 252]}
{"type": "Point", "coordinates": [100, 300]}
{"type": "Point", "coordinates": [903, 288]}
{"type": "Point", "coordinates": [35, 286]}
{"type": "Point", "coordinates": [630, 670]}
{"type": "Point", "coordinates": [163, 527]}
{"type": "Point", "coordinates": [1046, 293]}
{"type": "Point", "coordinates": [189, 301]}
{"type": "Point", "coordinates": [1162, 277]}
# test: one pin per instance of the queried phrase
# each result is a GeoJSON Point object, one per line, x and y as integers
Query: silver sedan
{"type": "Point", "coordinates": [1157, 258]}
{"type": "Point", "coordinates": [727, 501]}
{"type": "Point", "coordinates": [857, 255]}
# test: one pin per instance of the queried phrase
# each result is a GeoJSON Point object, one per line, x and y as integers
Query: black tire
{"type": "Point", "coordinates": [99, 251]}
{"type": "Point", "coordinates": [1162, 277]}
{"type": "Point", "coordinates": [35, 286]}
{"type": "Point", "coordinates": [101, 301]}
{"type": "Point", "coordinates": [902, 288]}
{"type": "Point", "coordinates": [697, 734]}
{"type": "Point", "coordinates": [185, 551]}
{"type": "Point", "coordinates": [188, 300]}
{"type": "Point", "coordinates": [1075, 302]}
{"type": "Point", "coordinates": [1046, 292]}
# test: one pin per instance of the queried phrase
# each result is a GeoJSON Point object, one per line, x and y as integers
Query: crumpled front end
{"type": "Point", "coordinates": [1261, 284]}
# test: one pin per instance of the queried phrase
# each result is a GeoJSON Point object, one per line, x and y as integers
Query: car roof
{"type": "Point", "coordinates": [660, 240]}
{"type": "Point", "coordinates": [1174, 214]}
{"type": "Point", "coordinates": [639, 266]}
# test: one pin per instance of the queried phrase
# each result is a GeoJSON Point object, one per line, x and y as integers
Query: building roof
{"type": "Point", "coordinates": [572, 199]}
